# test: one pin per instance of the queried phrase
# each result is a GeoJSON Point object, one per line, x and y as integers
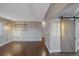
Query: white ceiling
{"type": "Point", "coordinates": [36, 11]}
{"type": "Point", "coordinates": [24, 11]}
{"type": "Point", "coordinates": [71, 10]}
{"type": "Point", "coordinates": [55, 10]}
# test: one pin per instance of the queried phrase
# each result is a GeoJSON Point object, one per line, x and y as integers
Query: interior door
{"type": "Point", "coordinates": [67, 35]}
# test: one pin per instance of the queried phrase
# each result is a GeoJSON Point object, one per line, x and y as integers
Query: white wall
{"type": "Point", "coordinates": [55, 36]}
{"type": "Point", "coordinates": [33, 33]}
{"type": "Point", "coordinates": [77, 34]}
{"type": "Point", "coordinates": [4, 35]}
{"type": "Point", "coordinates": [47, 34]}
{"type": "Point", "coordinates": [52, 35]}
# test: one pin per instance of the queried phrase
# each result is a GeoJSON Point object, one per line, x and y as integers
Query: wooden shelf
{"type": "Point", "coordinates": [21, 27]}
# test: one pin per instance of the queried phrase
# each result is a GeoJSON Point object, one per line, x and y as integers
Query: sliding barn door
{"type": "Point", "coordinates": [67, 35]}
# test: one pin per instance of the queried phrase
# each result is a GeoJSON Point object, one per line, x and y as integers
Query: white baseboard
{"type": "Point", "coordinates": [26, 40]}
{"type": "Point", "coordinates": [47, 47]}
{"type": "Point", "coordinates": [54, 50]}
{"type": "Point", "coordinates": [5, 43]}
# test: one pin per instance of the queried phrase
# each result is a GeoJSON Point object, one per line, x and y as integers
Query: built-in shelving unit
{"type": "Point", "coordinates": [23, 26]}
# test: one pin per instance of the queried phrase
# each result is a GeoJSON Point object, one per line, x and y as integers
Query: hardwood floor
{"type": "Point", "coordinates": [23, 49]}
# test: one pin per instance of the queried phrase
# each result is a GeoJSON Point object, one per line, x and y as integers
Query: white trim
{"type": "Point", "coordinates": [5, 43]}
{"type": "Point", "coordinates": [76, 49]}
{"type": "Point", "coordinates": [54, 50]}
{"type": "Point", "coordinates": [47, 47]}
{"type": "Point", "coordinates": [26, 40]}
